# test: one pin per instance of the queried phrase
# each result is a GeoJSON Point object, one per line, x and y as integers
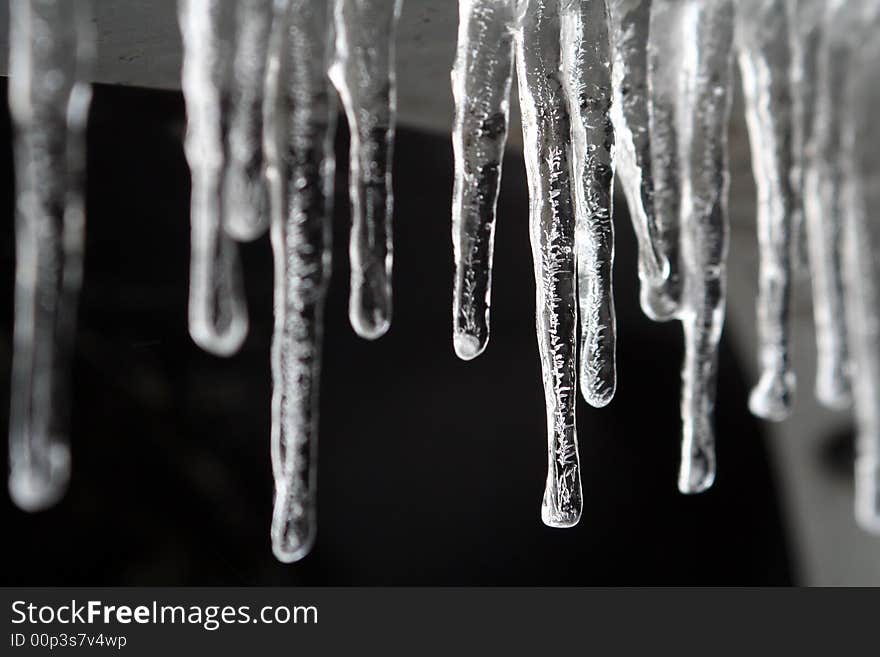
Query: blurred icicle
{"type": "Point", "coordinates": [765, 59]}
{"type": "Point", "coordinates": [363, 72]}
{"type": "Point", "coordinates": [824, 210]}
{"type": "Point", "coordinates": [51, 51]}
{"type": "Point", "coordinates": [856, 45]}
{"type": "Point", "coordinates": [244, 204]}
{"type": "Point", "coordinates": [218, 320]}
{"type": "Point", "coordinates": [702, 117]}
{"type": "Point", "coordinates": [300, 116]}
{"type": "Point", "coordinates": [481, 79]}
{"type": "Point", "coordinates": [630, 23]}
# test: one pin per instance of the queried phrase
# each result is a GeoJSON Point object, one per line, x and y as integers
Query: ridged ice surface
{"type": "Point", "coordinates": [854, 31]}
{"type": "Point", "coordinates": [363, 72]}
{"type": "Point", "coordinates": [481, 79]}
{"type": "Point", "coordinates": [218, 320]}
{"type": "Point", "coordinates": [51, 51]}
{"type": "Point", "coordinates": [765, 62]}
{"type": "Point", "coordinates": [701, 112]}
{"type": "Point", "coordinates": [300, 115]}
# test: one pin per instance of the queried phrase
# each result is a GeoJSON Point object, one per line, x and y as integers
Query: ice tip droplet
{"type": "Point", "coordinates": [468, 346]}
{"type": "Point", "coordinates": [771, 399]}
{"type": "Point", "coordinates": [560, 519]}
{"type": "Point", "coordinates": [369, 326]}
{"type": "Point", "coordinates": [34, 492]}
{"type": "Point", "coordinates": [697, 473]}
{"type": "Point", "coordinates": [657, 303]}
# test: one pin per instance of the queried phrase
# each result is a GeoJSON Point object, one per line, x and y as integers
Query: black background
{"type": "Point", "coordinates": [431, 469]}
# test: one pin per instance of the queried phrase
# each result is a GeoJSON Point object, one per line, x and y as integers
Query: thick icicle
{"type": "Point", "coordinates": [630, 22]}
{"type": "Point", "coordinates": [764, 51]}
{"type": "Point", "coordinates": [244, 205]}
{"type": "Point", "coordinates": [51, 49]}
{"type": "Point", "coordinates": [546, 133]}
{"type": "Point", "coordinates": [702, 128]}
{"type": "Point", "coordinates": [481, 79]}
{"type": "Point", "coordinates": [857, 33]}
{"type": "Point", "coordinates": [218, 319]}
{"type": "Point", "coordinates": [662, 300]}
{"type": "Point", "coordinates": [300, 118]}
{"type": "Point", "coordinates": [363, 72]}
{"type": "Point", "coordinates": [586, 69]}
{"type": "Point", "coordinates": [823, 209]}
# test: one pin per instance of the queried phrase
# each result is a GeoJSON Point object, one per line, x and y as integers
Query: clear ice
{"type": "Point", "coordinates": [765, 61]}
{"type": "Point", "coordinates": [218, 320]}
{"type": "Point", "coordinates": [362, 70]}
{"type": "Point", "coordinates": [481, 80]}
{"type": "Point", "coordinates": [702, 114]}
{"type": "Point", "coordinates": [300, 121]}
{"type": "Point", "coordinates": [52, 45]}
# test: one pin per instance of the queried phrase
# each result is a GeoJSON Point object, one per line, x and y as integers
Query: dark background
{"type": "Point", "coordinates": [431, 469]}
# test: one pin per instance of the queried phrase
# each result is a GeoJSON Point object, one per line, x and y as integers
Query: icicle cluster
{"type": "Point", "coordinates": [640, 86]}
{"type": "Point", "coordinates": [659, 72]}
{"type": "Point", "coordinates": [257, 82]}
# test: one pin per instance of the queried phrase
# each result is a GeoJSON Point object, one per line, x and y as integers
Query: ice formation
{"type": "Point", "coordinates": [51, 49]}
{"type": "Point", "coordinates": [640, 88]}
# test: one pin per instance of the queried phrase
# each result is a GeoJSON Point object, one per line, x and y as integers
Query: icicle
{"type": "Point", "coordinates": [244, 206]}
{"type": "Point", "coordinates": [363, 72]}
{"type": "Point", "coordinates": [481, 80]}
{"type": "Point", "coordinates": [765, 64]}
{"type": "Point", "coordinates": [703, 113]}
{"type": "Point", "coordinates": [586, 70]}
{"type": "Point", "coordinates": [51, 48]}
{"type": "Point", "coordinates": [856, 48]}
{"type": "Point", "coordinates": [300, 116]}
{"type": "Point", "coordinates": [218, 319]}
{"type": "Point", "coordinates": [823, 208]}
{"type": "Point", "coordinates": [630, 22]}
{"type": "Point", "coordinates": [546, 133]}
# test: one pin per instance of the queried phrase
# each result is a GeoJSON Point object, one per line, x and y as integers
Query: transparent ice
{"type": "Point", "coordinates": [363, 72]}
{"type": "Point", "coordinates": [52, 46]}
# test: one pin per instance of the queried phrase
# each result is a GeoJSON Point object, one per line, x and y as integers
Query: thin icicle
{"type": "Point", "coordinates": [244, 204]}
{"type": "Point", "coordinates": [823, 208]}
{"type": "Point", "coordinates": [546, 133]}
{"type": "Point", "coordinates": [51, 49]}
{"type": "Point", "coordinates": [662, 300]}
{"type": "Point", "coordinates": [363, 72]}
{"type": "Point", "coordinates": [856, 46]}
{"type": "Point", "coordinates": [765, 64]}
{"type": "Point", "coordinates": [805, 32]}
{"type": "Point", "coordinates": [630, 24]}
{"type": "Point", "coordinates": [481, 79]}
{"type": "Point", "coordinates": [586, 70]}
{"type": "Point", "coordinates": [218, 319]}
{"type": "Point", "coordinates": [300, 116]}
{"type": "Point", "coordinates": [702, 128]}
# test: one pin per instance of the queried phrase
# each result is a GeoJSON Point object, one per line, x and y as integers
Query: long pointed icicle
{"type": "Point", "coordinates": [586, 61]}
{"type": "Point", "coordinates": [823, 210]}
{"type": "Point", "coordinates": [363, 73]}
{"type": "Point", "coordinates": [857, 24]}
{"type": "Point", "coordinates": [765, 60]}
{"type": "Point", "coordinates": [51, 49]}
{"type": "Point", "coordinates": [244, 203]}
{"type": "Point", "coordinates": [481, 79]}
{"type": "Point", "coordinates": [630, 111]}
{"type": "Point", "coordinates": [218, 319]}
{"type": "Point", "coordinates": [705, 110]}
{"type": "Point", "coordinates": [661, 300]}
{"type": "Point", "coordinates": [300, 115]}
{"type": "Point", "coordinates": [546, 133]}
